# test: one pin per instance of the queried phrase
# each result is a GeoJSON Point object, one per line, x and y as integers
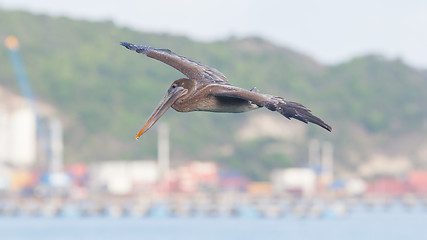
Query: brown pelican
{"type": "Point", "coordinates": [207, 89]}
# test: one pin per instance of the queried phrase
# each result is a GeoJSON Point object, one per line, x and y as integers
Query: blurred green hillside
{"type": "Point", "coordinates": [104, 94]}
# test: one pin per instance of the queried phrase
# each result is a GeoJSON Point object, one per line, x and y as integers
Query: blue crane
{"type": "Point", "coordinates": [46, 135]}
{"type": "Point", "coordinates": [12, 45]}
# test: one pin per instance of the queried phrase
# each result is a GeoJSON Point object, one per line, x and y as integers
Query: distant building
{"type": "Point", "coordinates": [259, 188]}
{"type": "Point", "coordinates": [388, 186]}
{"type": "Point", "coordinates": [124, 177]}
{"type": "Point", "coordinates": [298, 181]}
{"type": "Point", "coordinates": [23, 144]}
{"type": "Point", "coordinates": [232, 180]}
{"type": "Point", "coordinates": [417, 181]}
{"type": "Point", "coordinates": [355, 187]}
{"type": "Point", "coordinates": [194, 176]}
{"type": "Point", "coordinates": [17, 131]}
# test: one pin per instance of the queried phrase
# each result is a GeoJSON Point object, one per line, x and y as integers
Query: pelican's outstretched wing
{"type": "Point", "coordinates": [190, 68]}
{"type": "Point", "coordinates": [286, 108]}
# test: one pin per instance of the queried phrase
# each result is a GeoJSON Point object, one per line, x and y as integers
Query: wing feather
{"type": "Point", "coordinates": [190, 68]}
{"type": "Point", "coordinates": [286, 108]}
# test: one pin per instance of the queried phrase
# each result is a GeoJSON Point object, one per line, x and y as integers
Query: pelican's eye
{"type": "Point", "coordinates": [172, 88]}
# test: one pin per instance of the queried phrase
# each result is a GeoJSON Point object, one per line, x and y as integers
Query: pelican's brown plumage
{"type": "Point", "coordinates": [207, 89]}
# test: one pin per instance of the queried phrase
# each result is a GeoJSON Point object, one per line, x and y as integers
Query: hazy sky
{"type": "Point", "coordinates": [331, 31]}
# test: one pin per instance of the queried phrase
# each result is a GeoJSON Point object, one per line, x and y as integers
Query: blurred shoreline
{"type": "Point", "coordinates": [211, 205]}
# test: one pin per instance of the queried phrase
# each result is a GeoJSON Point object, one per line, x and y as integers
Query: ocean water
{"type": "Point", "coordinates": [360, 224]}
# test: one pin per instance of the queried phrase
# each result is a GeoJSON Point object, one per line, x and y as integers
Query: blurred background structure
{"type": "Point", "coordinates": [71, 100]}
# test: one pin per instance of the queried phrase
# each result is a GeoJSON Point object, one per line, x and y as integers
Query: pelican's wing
{"type": "Point", "coordinates": [190, 68]}
{"type": "Point", "coordinates": [286, 108]}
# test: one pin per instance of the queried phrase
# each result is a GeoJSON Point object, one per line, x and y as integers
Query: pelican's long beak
{"type": "Point", "coordinates": [167, 101]}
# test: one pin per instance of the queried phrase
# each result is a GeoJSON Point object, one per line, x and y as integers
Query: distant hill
{"type": "Point", "coordinates": [105, 93]}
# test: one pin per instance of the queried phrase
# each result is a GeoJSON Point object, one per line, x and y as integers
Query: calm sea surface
{"type": "Point", "coordinates": [377, 224]}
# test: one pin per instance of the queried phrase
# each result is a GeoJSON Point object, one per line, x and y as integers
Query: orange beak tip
{"type": "Point", "coordinates": [138, 136]}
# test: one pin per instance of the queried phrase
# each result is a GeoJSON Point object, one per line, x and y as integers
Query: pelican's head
{"type": "Point", "coordinates": [178, 89]}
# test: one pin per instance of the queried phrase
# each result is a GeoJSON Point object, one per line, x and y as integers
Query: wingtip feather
{"type": "Point", "coordinates": [133, 47]}
{"type": "Point", "coordinates": [126, 44]}
{"type": "Point", "coordinates": [299, 112]}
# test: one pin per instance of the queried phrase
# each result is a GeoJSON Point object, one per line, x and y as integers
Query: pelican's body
{"type": "Point", "coordinates": [207, 89]}
{"type": "Point", "coordinates": [202, 98]}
